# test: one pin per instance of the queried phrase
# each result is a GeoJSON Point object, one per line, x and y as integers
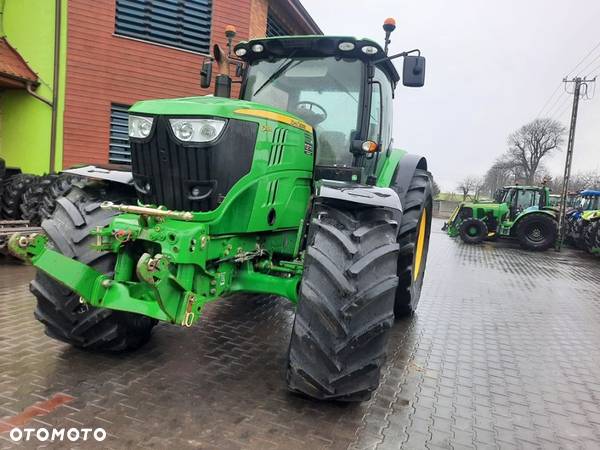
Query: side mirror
{"type": "Point", "coordinates": [413, 71]}
{"type": "Point", "coordinates": [206, 73]}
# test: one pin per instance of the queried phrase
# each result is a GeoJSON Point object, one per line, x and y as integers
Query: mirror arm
{"type": "Point", "coordinates": [398, 55]}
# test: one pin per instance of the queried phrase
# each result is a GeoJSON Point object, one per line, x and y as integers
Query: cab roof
{"type": "Point", "coordinates": [317, 46]}
{"type": "Point", "coordinates": [590, 193]}
{"type": "Point", "coordinates": [530, 188]}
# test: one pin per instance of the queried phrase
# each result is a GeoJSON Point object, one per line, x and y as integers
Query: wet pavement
{"type": "Point", "coordinates": [503, 353]}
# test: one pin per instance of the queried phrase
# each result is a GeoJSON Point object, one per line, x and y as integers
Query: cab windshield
{"type": "Point", "coordinates": [324, 92]}
{"type": "Point", "coordinates": [590, 203]}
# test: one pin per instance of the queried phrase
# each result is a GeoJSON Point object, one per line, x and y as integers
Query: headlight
{"type": "Point", "coordinates": [197, 130]}
{"type": "Point", "coordinates": [140, 127]}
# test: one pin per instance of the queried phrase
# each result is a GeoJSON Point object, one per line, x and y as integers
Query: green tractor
{"type": "Point", "coordinates": [521, 212]}
{"type": "Point", "coordinates": [292, 190]}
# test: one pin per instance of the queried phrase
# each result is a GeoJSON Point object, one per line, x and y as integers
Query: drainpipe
{"type": "Point", "coordinates": [30, 90]}
{"type": "Point", "coordinates": [1, 18]}
{"type": "Point", "coordinates": [55, 82]}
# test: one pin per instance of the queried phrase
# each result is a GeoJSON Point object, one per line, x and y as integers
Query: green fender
{"type": "Point", "coordinates": [528, 213]}
{"type": "Point", "coordinates": [398, 169]}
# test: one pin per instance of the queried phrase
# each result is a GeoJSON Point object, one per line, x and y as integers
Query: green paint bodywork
{"type": "Point", "coordinates": [25, 121]}
{"type": "Point", "coordinates": [496, 212]}
{"type": "Point", "coordinates": [169, 268]}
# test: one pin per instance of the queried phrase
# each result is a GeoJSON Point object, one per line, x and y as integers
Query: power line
{"type": "Point", "coordinates": [583, 59]}
{"type": "Point", "coordinates": [590, 63]}
{"type": "Point", "coordinates": [594, 71]}
{"type": "Point", "coordinates": [549, 99]}
{"type": "Point", "coordinates": [562, 110]}
{"type": "Point", "coordinates": [558, 102]}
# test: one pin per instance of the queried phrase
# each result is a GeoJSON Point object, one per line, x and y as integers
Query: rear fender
{"type": "Point", "coordinates": [529, 213]}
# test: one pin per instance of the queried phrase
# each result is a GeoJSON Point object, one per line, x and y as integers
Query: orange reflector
{"type": "Point", "coordinates": [390, 21]}
{"type": "Point", "coordinates": [369, 147]}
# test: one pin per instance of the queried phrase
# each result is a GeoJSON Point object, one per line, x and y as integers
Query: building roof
{"type": "Point", "coordinates": [14, 71]}
{"type": "Point", "coordinates": [304, 16]}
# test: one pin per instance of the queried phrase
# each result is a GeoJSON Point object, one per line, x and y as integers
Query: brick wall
{"type": "Point", "coordinates": [258, 17]}
{"type": "Point", "coordinates": [103, 68]}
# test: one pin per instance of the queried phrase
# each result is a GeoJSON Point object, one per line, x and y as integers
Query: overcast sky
{"type": "Point", "coordinates": [491, 67]}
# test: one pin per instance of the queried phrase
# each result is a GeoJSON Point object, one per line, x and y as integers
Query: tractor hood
{"type": "Point", "coordinates": [590, 215]}
{"type": "Point", "coordinates": [211, 106]}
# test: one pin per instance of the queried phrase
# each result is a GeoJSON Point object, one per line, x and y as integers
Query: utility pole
{"type": "Point", "coordinates": [567, 174]}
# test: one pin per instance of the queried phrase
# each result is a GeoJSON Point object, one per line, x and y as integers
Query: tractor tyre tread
{"type": "Point", "coordinates": [418, 197]}
{"type": "Point", "coordinates": [549, 230]}
{"type": "Point", "coordinates": [12, 195]}
{"type": "Point", "coordinates": [345, 311]}
{"type": "Point", "coordinates": [58, 308]}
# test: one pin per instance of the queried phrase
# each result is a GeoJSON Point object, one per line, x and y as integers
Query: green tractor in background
{"type": "Point", "coordinates": [521, 212]}
{"type": "Point", "coordinates": [293, 190]}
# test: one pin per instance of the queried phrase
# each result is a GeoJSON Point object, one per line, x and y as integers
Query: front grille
{"type": "Point", "coordinates": [190, 176]}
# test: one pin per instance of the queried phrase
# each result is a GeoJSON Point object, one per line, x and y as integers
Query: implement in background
{"type": "Point", "coordinates": [567, 175]}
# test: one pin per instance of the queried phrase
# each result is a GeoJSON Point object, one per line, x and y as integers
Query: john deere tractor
{"type": "Point", "coordinates": [521, 212]}
{"type": "Point", "coordinates": [294, 189]}
{"type": "Point", "coordinates": [583, 222]}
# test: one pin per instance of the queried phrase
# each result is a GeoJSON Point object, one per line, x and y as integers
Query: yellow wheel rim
{"type": "Point", "coordinates": [420, 245]}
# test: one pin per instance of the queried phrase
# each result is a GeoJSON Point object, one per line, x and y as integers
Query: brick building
{"type": "Point", "coordinates": [112, 53]}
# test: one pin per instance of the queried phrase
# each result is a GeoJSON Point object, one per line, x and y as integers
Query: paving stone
{"type": "Point", "coordinates": [502, 353]}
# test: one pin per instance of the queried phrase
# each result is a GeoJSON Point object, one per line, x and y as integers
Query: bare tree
{"type": "Point", "coordinates": [435, 189]}
{"type": "Point", "coordinates": [585, 180]}
{"type": "Point", "coordinates": [470, 184]}
{"type": "Point", "coordinates": [532, 142]}
{"type": "Point", "coordinates": [478, 185]}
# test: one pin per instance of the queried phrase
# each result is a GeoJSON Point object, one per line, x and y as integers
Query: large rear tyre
{"type": "Point", "coordinates": [537, 232]}
{"type": "Point", "coordinates": [413, 238]}
{"type": "Point", "coordinates": [58, 308]}
{"type": "Point", "coordinates": [346, 305]}
{"type": "Point", "coordinates": [591, 236]}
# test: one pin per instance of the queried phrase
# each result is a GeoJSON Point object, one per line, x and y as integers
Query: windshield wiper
{"type": "Point", "coordinates": [285, 66]}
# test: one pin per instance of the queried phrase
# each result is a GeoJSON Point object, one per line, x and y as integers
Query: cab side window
{"type": "Point", "coordinates": [375, 114]}
{"type": "Point", "coordinates": [386, 99]}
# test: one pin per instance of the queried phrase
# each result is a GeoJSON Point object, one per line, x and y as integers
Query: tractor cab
{"type": "Point", "coordinates": [341, 87]}
{"type": "Point", "coordinates": [524, 198]}
{"type": "Point", "coordinates": [590, 200]}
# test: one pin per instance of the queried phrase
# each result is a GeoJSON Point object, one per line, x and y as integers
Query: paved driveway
{"type": "Point", "coordinates": [503, 353]}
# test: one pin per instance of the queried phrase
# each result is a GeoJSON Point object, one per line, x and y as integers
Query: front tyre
{"type": "Point", "coordinates": [473, 231]}
{"type": "Point", "coordinates": [345, 310]}
{"type": "Point", "coordinates": [59, 309]}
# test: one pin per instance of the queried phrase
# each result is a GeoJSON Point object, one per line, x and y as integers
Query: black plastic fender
{"type": "Point", "coordinates": [405, 171]}
{"type": "Point", "coordinates": [358, 194]}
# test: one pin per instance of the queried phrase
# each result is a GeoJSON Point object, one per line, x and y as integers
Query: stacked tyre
{"type": "Point", "coordinates": [12, 195]}
{"type": "Point", "coordinates": [31, 197]}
